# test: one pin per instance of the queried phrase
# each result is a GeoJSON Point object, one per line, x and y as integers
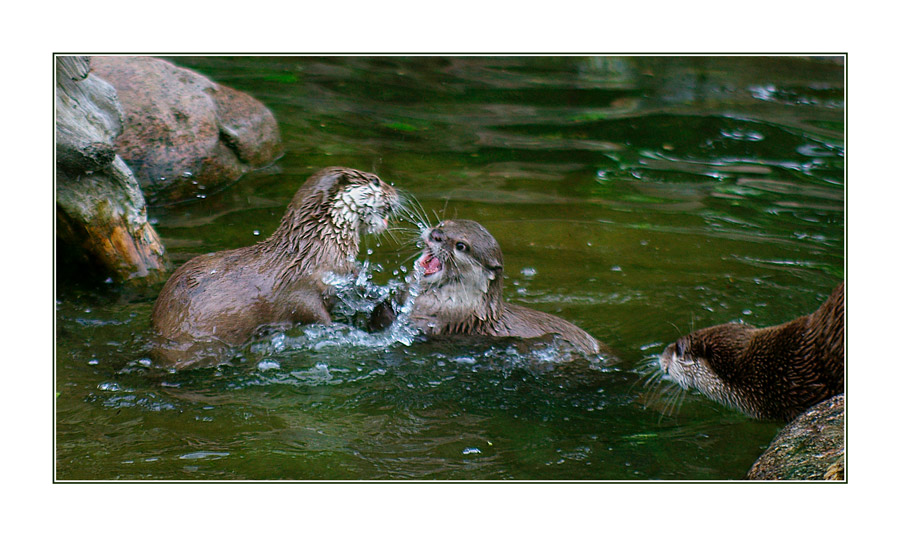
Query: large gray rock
{"type": "Point", "coordinates": [101, 215]}
{"type": "Point", "coordinates": [811, 447]}
{"type": "Point", "coordinates": [185, 135]}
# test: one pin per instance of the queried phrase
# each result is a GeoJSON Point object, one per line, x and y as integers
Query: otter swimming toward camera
{"type": "Point", "coordinates": [220, 299]}
{"type": "Point", "coordinates": [462, 291]}
{"type": "Point", "coordinates": [768, 373]}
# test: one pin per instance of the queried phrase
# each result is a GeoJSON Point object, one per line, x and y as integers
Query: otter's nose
{"type": "Point", "coordinates": [437, 235]}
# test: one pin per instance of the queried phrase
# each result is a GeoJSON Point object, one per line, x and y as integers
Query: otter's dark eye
{"type": "Point", "coordinates": [376, 181]}
{"type": "Point", "coordinates": [679, 348]}
{"type": "Point", "coordinates": [461, 246]}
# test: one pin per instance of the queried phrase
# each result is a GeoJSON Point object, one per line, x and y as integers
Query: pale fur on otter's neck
{"type": "Point", "coordinates": [459, 306]}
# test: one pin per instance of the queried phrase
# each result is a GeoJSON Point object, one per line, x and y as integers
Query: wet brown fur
{"type": "Point", "coordinates": [468, 298]}
{"type": "Point", "coordinates": [769, 373]}
{"type": "Point", "coordinates": [219, 299]}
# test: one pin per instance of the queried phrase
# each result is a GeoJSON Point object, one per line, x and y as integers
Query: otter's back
{"type": "Point", "coordinates": [519, 321]}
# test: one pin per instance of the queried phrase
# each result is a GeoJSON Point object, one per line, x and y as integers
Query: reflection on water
{"type": "Point", "coordinates": [639, 198]}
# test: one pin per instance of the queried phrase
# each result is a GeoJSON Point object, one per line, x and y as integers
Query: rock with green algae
{"type": "Point", "coordinates": [811, 447]}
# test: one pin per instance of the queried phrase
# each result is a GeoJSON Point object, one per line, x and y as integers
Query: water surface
{"type": "Point", "coordinates": [639, 198]}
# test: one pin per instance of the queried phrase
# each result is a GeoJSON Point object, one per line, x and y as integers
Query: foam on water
{"type": "Point", "coordinates": [356, 297]}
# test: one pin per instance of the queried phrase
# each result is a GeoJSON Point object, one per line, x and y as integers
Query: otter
{"type": "Point", "coordinates": [772, 373]}
{"type": "Point", "coordinates": [462, 291]}
{"type": "Point", "coordinates": [219, 300]}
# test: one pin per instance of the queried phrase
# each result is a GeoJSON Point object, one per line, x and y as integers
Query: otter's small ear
{"type": "Point", "coordinates": [339, 179]}
{"type": "Point", "coordinates": [342, 178]}
{"type": "Point", "coordinates": [695, 350]}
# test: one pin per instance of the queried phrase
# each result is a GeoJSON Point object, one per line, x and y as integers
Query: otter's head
{"type": "Point", "coordinates": [322, 226]}
{"type": "Point", "coordinates": [354, 201]}
{"type": "Point", "coordinates": [462, 264]}
{"type": "Point", "coordinates": [709, 360]}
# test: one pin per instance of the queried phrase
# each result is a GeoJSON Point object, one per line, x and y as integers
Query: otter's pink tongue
{"type": "Point", "coordinates": [430, 263]}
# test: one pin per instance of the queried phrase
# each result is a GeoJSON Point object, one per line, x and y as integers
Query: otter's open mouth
{"type": "Point", "coordinates": [430, 263]}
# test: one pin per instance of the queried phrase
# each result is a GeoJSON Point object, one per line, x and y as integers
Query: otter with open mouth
{"type": "Point", "coordinates": [462, 291]}
{"type": "Point", "coordinates": [768, 373]}
{"type": "Point", "coordinates": [220, 299]}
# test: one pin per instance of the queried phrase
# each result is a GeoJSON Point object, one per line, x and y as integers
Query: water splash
{"type": "Point", "coordinates": [356, 297]}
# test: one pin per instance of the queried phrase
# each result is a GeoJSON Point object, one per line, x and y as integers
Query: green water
{"type": "Point", "coordinates": [636, 197]}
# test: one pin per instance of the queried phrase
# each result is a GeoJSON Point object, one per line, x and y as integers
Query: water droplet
{"type": "Point", "coordinates": [255, 232]}
{"type": "Point", "coordinates": [268, 364]}
{"type": "Point", "coordinates": [529, 271]}
{"type": "Point", "coordinates": [93, 362]}
{"type": "Point", "coordinates": [616, 268]}
{"type": "Point", "coordinates": [471, 450]}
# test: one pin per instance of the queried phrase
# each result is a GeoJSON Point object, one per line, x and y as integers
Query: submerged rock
{"type": "Point", "coordinates": [101, 215]}
{"type": "Point", "coordinates": [811, 447]}
{"type": "Point", "coordinates": [183, 133]}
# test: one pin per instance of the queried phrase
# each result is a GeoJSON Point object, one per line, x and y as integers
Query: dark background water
{"type": "Point", "coordinates": [638, 197]}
